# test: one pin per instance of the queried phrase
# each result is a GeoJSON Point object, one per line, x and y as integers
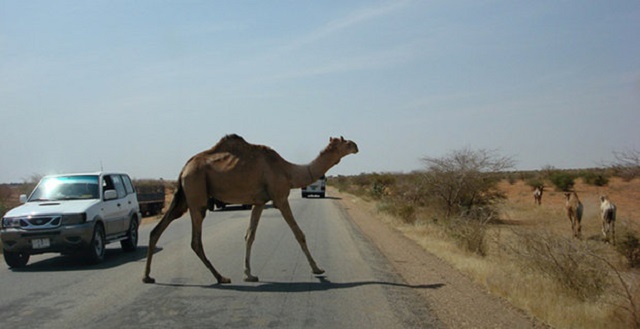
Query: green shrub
{"type": "Point", "coordinates": [535, 182]}
{"type": "Point", "coordinates": [562, 180]}
{"type": "Point", "coordinates": [596, 179]}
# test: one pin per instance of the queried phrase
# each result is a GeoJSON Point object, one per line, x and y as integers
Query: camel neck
{"type": "Point", "coordinates": [303, 175]}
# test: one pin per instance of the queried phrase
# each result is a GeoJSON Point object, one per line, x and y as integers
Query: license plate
{"type": "Point", "coordinates": [40, 243]}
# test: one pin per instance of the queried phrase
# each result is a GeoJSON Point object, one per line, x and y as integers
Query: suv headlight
{"type": "Point", "coordinates": [9, 222]}
{"type": "Point", "coordinates": [74, 219]}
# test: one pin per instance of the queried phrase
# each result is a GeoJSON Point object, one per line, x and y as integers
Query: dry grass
{"type": "Point", "coordinates": [532, 260]}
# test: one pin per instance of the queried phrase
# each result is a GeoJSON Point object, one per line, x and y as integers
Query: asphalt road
{"type": "Point", "coordinates": [358, 290]}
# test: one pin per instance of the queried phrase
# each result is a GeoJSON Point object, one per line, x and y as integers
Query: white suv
{"type": "Point", "coordinates": [72, 213]}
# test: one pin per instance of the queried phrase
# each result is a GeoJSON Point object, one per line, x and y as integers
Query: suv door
{"type": "Point", "coordinates": [115, 211]}
{"type": "Point", "coordinates": [131, 199]}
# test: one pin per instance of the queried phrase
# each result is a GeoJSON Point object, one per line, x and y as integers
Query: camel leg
{"type": "Point", "coordinates": [176, 209]}
{"type": "Point", "coordinates": [573, 226]}
{"type": "Point", "coordinates": [256, 212]}
{"type": "Point", "coordinates": [612, 225]}
{"type": "Point", "coordinates": [285, 209]}
{"type": "Point", "coordinates": [196, 242]}
{"type": "Point", "coordinates": [153, 240]}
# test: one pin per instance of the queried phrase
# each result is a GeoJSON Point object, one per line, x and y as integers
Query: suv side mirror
{"type": "Point", "coordinates": [23, 198]}
{"type": "Point", "coordinates": [110, 195]}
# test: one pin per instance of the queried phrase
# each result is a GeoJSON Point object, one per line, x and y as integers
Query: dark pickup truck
{"type": "Point", "coordinates": [150, 198]}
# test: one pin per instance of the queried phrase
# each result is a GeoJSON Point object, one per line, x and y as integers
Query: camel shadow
{"type": "Point", "coordinates": [323, 285]}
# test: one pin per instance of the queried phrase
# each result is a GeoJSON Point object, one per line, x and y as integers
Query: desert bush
{"type": "Point", "coordinates": [629, 246]}
{"type": "Point", "coordinates": [626, 164]}
{"type": "Point", "coordinates": [563, 181]}
{"type": "Point", "coordinates": [572, 264]}
{"type": "Point", "coordinates": [465, 181]}
{"type": "Point", "coordinates": [468, 234]}
{"type": "Point", "coordinates": [511, 178]}
{"type": "Point", "coordinates": [381, 184]}
{"type": "Point", "coordinates": [402, 210]}
{"type": "Point", "coordinates": [340, 182]}
{"type": "Point", "coordinates": [535, 182]}
{"type": "Point", "coordinates": [595, 178]}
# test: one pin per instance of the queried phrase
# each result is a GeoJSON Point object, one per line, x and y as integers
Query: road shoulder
{"type": "Point", "coordinates": [458, 302]}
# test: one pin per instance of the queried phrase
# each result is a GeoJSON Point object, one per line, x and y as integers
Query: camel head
{"type": "Point", "coordinates": [339, 148]}
{"type": "Point", "coordinates": [342, 146]}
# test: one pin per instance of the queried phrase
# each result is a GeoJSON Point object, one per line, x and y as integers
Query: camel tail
{"type": "Point", "coordinates": [177, 208]}
{"type": "Point", "coordinates": [609, 215]}
{"type": "Point", "coordinates": [579, 211]}
{"type": "Point", "coordinates": [178, 205]}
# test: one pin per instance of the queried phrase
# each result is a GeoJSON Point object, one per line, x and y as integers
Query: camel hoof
{"type": "Point", "coordinates": [224, 280]}
{"type": "Point", "coordinates": [251, 278]}
{"type": "Point", "coordinates": [148, 279]}
{"type": "Point", "coordinates": [318, 271]}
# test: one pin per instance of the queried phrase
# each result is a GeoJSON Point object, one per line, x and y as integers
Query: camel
{"type": "Point", "coordinates": [236, 172]}
{"type": "Point", "coordinates": [537, 195]}
{"type": "Point", "coordinates": [574, 212]}
{"type": "Point", "coordinates": [608, 215]}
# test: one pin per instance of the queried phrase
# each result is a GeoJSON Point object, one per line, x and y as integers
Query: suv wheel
{"type": "Point", "coordinates": [95, 252]}
{"type": "Point", "coordinates": [131, 243]}
{"type": "Point", "coordinates": [15, 259]}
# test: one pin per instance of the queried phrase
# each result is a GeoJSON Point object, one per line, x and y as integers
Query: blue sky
{"type": "Point", "coordinates": [140, 86]}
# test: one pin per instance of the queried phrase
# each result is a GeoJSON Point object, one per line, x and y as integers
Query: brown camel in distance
{"type": "Point", "coordinates": [574, 212]}
{"type": "Point", "coordinates": [236, 172]}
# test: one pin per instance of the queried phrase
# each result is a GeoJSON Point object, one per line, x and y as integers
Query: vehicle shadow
{"type": "Point", "coordinates": [327, 197]}
{"type": "Point", "coordinates": [323, 285]}
{"type": "Point", "coordinates": [113, 258]}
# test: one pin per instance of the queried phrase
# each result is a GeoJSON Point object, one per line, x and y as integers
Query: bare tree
{"type": "Point", "coordinates": [626, 164]}
{"type": "Point", "coordinates": [464, 183]}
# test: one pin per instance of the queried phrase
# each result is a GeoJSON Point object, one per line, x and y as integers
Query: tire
{"type": "Point", "coordinates": [96, 250]}
{"type": "Point", "coordinates": [321, 195]}
{"type": "Point", "coordinates": [131, 243]}
{"type": "Point", "coordinates": [16, 259]}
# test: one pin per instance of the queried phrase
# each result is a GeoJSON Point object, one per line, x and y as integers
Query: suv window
{"type": "Point", "coordinates": [127, 184]}
{"type": "Point", "coordinates": [114, 182]}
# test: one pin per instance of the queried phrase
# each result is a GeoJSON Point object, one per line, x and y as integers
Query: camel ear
{"type": "Point", "coordinates": [341, 138]}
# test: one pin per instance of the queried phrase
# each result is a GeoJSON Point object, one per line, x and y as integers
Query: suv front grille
{"type": "Point", "coordinates": [40, 223]}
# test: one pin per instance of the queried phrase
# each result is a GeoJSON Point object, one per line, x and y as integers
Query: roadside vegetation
{"type": "Point", "coordinates": [471, 211]}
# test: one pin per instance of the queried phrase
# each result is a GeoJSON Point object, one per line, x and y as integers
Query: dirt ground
{"type": "Point", "coordinates": [462, 303]}
{"type": "Point", "coordinates": [458, 302]}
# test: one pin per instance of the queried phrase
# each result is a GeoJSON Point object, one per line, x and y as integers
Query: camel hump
{"type": "Point", "coordinates": [237, 145]}
{"type": "Point", "coordinates": [230, 142]}
{"type": "Point", "coordinates": [233, 137]}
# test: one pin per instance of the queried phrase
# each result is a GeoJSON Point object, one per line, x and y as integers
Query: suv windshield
{"type": "Point", "coordinates": [66, 188]}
